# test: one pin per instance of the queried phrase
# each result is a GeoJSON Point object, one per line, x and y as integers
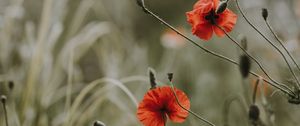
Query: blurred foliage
{"type": "Point", "coordinates": [76, 61]}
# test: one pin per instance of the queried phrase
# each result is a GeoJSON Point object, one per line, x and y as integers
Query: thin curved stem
{"type": "Point", "coordinates": [255, 60]}
{"type": "Point", "coordinates": [255, 90]}
{"type": "Point", "coordinates": [281, 43]}
{"type": "Point", "coordinates": [227, 104]}
{"type": "Point", "coordinates": [291, 93]}
{"type": "Point", "coordinates": [147, 11]}
{"type": "Point", "coordinates": [193, 113]}
{"type": "Point", "coordinates": [5, 111]}
{"type": "Point", "coordinates": [78, 100]}
{"type": "Point", "coordinates": [269, 41]}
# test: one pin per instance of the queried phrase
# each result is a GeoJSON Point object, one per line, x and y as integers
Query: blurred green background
{"type": "Point", "coordinates": [76, 61]}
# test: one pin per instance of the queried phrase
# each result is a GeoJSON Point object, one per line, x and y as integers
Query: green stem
{"type": "Point", "coordinates": [281, 43]}
{"type": "Point", "coordinates": [255, 91]}
{"type": "Point", "coordinates": [147, 11]}
{"type": "Point", "coordinates": [269, 41]}
{"type": "Point", "coordinates": [193, 113]}
{"type": "Point", "coordinates": [256, 61]}
{"type": "Point", "coordinates": [5, 113]}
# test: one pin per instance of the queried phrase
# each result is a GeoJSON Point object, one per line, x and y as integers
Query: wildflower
{"type": "Point", "coordinates": [160, 103]}
{"type": "Point", "coordinates": [170, 39]}
{"type": "Point", "coordinates": [204, 19]}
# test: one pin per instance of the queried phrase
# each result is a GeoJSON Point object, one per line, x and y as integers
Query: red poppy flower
{"type": "Point", "coordinates": [160, 103]}
{"type": "Point", "coordinates": [172, 40]}
{"type": "Point", "coordinates": [203, 19]}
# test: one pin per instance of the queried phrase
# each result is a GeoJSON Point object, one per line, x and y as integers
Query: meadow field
{"type": "Point", "coordinates": [74, 62]}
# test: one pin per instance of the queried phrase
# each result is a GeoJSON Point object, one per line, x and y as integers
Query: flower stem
{"type": "Point", "coordinates": [228, 102]}
{"type": "Point", "coordinates": [260, 66]}
{"type": "Point", "coordinates": [3, 100]}
{"type": "Point", "coordinates": [193, 113]}
{"type": "Point", "coordinates": [147, 11]}
{"type": "Point", "coordinates": [281, 43]}
{"type": "Point", "coordinates": [269, 41]}
{"type": "Point", "coordinates": [255, 90]}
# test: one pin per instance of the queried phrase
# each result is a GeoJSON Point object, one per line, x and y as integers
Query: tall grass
{"type": "Point", "coordinates": [77, 61]}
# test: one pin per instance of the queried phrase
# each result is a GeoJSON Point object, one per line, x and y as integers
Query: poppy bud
{"type": "Point", "coordinates": [99, 123]}
{"type": "Point", "coordinates": [170, 76]}
{"type": "Point", "coordinates": [152, 79]}
{"type": "Point", "coordinates": [242, 38]}
{"type": "Point", "coordinates": [245, 65]}
{"type": "Point", "coordinates": [221, 7]}
{"type": "Point", "coordinates": [295, 99]}
{"type": "Point", "coordinates": [265, 13]}
{"type": "Point", "coordinates": [3, 99]}
{"type": "Point", "coordinates": [11, 85]}
{"type": "Point", "coordinates": [253, 113]}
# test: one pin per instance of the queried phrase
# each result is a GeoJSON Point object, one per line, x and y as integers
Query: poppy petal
{"type": "Point", "coordinates": [216, 3]}
{"type": "Point", "coordinates": [150, 118]}
{"type": "Point", "coordinates": [218, 31]}
{"type": "Point", "coordinates": [179, 114]}
{"type": "Point", "coordinates": [148, 111]}
{"type": "Point", "coordinates": [203, 31]}
{"type": "Point", "coordinates": [160, 102]}
{"type": "Point", "coordinates": [197, 16]}
{"type": "Point", "coordinates": [200, 27]}
{"type": "Point", "coordinates": [207, 4]}
{"type": "Point", "coordinates": [227, 21]}
{"type": "Point", "coordinates": [201, 19]}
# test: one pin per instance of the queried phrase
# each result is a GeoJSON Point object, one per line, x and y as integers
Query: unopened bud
{"type": "Point", "coordinates": [152, 79]}
{"type": "Point", "coordinates": [170, 76]}
{"type": "Point", "coordinates": [221, 7]}
{"type": "Point", "coordinates": [11, 85]}
{"type": "Point", "coordinates": [254, 113]}
{"type": "Point", "coordinates": [3, 99]}
{"type": "Point", "coordinates": [245, 65]}
{"type": "Point", "coordinates": [265, 13]}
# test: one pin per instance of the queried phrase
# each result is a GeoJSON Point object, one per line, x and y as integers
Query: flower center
{"type": "Point", "coordinates": [164, 110]}
{"type": "Point", "coordinates": [211, 17]}
{"type": "Point", "coordinates": [164, 113]}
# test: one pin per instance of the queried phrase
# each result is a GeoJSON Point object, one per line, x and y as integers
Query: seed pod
{"type": "Point", "coordinates": [3, 99]}
{"type": "Point", "coordinates": [99, 123]}
{"type": "Point", "coordinates": [221, 7]}
{"type": "Point", "coordinates": [245, 65]}
{"type": "Point", "coordinates": [170, 76]}
{"type": "Point", "coordinates": [254, 113]}
{"type": "Point", "coordinates": [152, 79]}
{"type": "Point", "coordinates": [11, 85]}
{"type": "Point", "coordinates": [265, 13]}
